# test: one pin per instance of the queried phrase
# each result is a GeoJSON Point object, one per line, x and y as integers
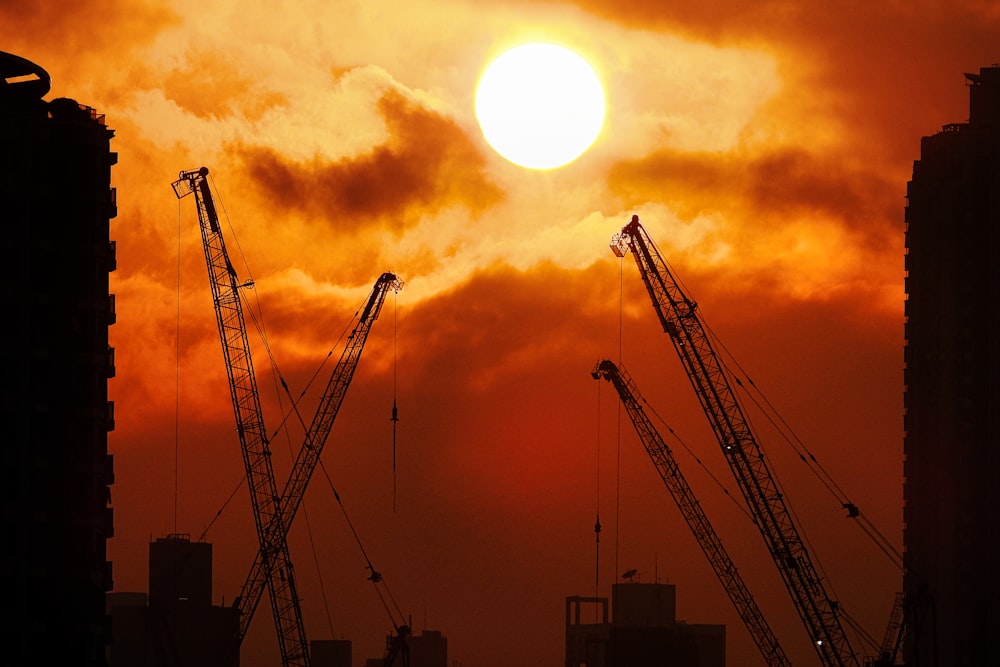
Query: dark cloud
{"type": "Point", "coordinates": [427, 164]}
{"type": "Point", "coordinates": [72, 40]}
{"type": "Point", "coordinates": [502, 321]}
{"type": "Point", "coordinates": [766, 189]}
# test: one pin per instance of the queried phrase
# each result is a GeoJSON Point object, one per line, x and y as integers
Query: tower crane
{"type": "Point", "coordinates": [679, 318]}
{"type": "Point", "coordinates": [893, 638]}
{"type": "Point", "coordinates": [694, 515]}
{"type": "Point", "coordinates": [312, 446]}
{"type": "Point", "coordinates": [277, 563]}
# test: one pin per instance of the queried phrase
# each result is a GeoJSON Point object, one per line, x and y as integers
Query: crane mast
{"type": "Point", "coordinates": [312, 446]}
{"type": "Point", "coordinates": [694, 515]}
{"type": "Point", "coordinates": [254, 444]}
{"type": "Point", "coordinates": [680, 320]}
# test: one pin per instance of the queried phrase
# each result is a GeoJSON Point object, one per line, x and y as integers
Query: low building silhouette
{"type": "Point", "coordinates": [330, 653]}
{"type": "Point", "coordinates": [428, 649]}
{"type": "Point", "coordinates": [641, 630]}
{"type": "Point", "coordinates": [176, 624]}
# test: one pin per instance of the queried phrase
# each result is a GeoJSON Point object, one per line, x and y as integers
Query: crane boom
{"type": "Point", "coordinates": [312, 446]}
{"type": "Point", "coordinates": [277, 563]}
{"type": "Point", "coordinates": [694, 515]}
{"type": "Point", "coordinates": [680, 320]}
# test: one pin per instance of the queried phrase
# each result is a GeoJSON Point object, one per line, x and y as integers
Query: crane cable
{"type": "Point", "coordinates": [785, 431]}
{"type": "Point", "coordinates": [618, 421]}
{"type": "Point", "coordinates": [774, 480]}
{"type": "Point", "coordinates": [395, 412]}
{"type": "Point", "coordinates": [256, 315]}
{"type": "Point", "coordinates": [257, 319]}
{"type": "Point", "coordinates": [788, 434]}
{"type": "Point", "coordinates": [177, 370]}
{"type": "Point", "coordinates": [597, 522]}
{"type": "Point", "coordinates": [309, 531]}
{"type": "Point", "coordinates": [292, 410]}
{"type": "Point", "coordinates": [827, 481]}
{"type": "Point", "coordinates": [742, 508]}
{"type": "Point", "coordinates": [375, 577]}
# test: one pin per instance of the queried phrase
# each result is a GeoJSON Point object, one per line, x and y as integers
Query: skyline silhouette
{"type": "Point", "coordinates": [768, 158]}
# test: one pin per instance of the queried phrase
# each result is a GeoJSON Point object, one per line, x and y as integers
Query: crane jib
{"type": "Point", "coordinates": [245, 397]}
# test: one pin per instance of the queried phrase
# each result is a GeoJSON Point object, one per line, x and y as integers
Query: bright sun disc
{"type": "Point", "coordinates": [540, 106]}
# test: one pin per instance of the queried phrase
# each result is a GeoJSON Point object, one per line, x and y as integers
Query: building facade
{"type": "Point", "coordinates": [55, 501]}
{"type": "Point", "coordinates": [951, 397]}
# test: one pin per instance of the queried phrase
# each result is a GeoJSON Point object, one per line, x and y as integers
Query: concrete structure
{"type": "Point", "coordinates": [952, 394]}
{"type": "Point", "coordinates": [642, 631]}
{"type": "Point", "coordinates": [57, 203]}
{"type": "Point", "coordinates": [176, 625]}
{"type": "Point", "coordinates": [330, 653]}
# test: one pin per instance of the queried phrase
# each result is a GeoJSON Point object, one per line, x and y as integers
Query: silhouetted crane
{"type": "Point", "coordinates": [277, 563]}
{"type": "Point", "coordinates": [679, 318]}
{"type": "Point", "coordinates": [694, 515]}
{"type": "Point", "coordinates": [312, 446]}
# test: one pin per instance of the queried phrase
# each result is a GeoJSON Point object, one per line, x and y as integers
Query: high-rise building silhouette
{"type": "Point", "coordinates": [952, 388]}
{"type": "Point", "coordinates": [55, 513]}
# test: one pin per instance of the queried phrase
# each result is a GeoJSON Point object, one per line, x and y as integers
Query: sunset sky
{"type": "Point", "coordinates": [766, 148]}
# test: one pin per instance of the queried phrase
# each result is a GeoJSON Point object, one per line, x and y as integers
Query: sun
{"type": "Point", "coordinates": [540, 105]}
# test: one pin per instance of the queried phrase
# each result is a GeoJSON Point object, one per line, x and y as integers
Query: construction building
{"type": "Point", "coordinates": [428, 649]}
{"type": "Point", "coordinates": [641, 630]}
{"type": "Point", "coordinates": [176, 624]}
{"type": "Point", "coordinates": [56, 518]}
{"type": "Point", "coordinates": [951, 393]}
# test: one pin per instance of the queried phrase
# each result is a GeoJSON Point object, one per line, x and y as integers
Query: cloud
{"type": "Point", "coordinates": [73, 40]}
{"type": "Point", "coordinates": [426, 164]}
{"type": "Point", "coordinates": [764, 187]}
{"type": "Point", "coordinates": [788, 220]}
{"type": "Point", "coordinates": [211, 85]}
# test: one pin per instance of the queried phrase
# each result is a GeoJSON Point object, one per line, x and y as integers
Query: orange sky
{"type": "Point", "coordinates": [766, 147]}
